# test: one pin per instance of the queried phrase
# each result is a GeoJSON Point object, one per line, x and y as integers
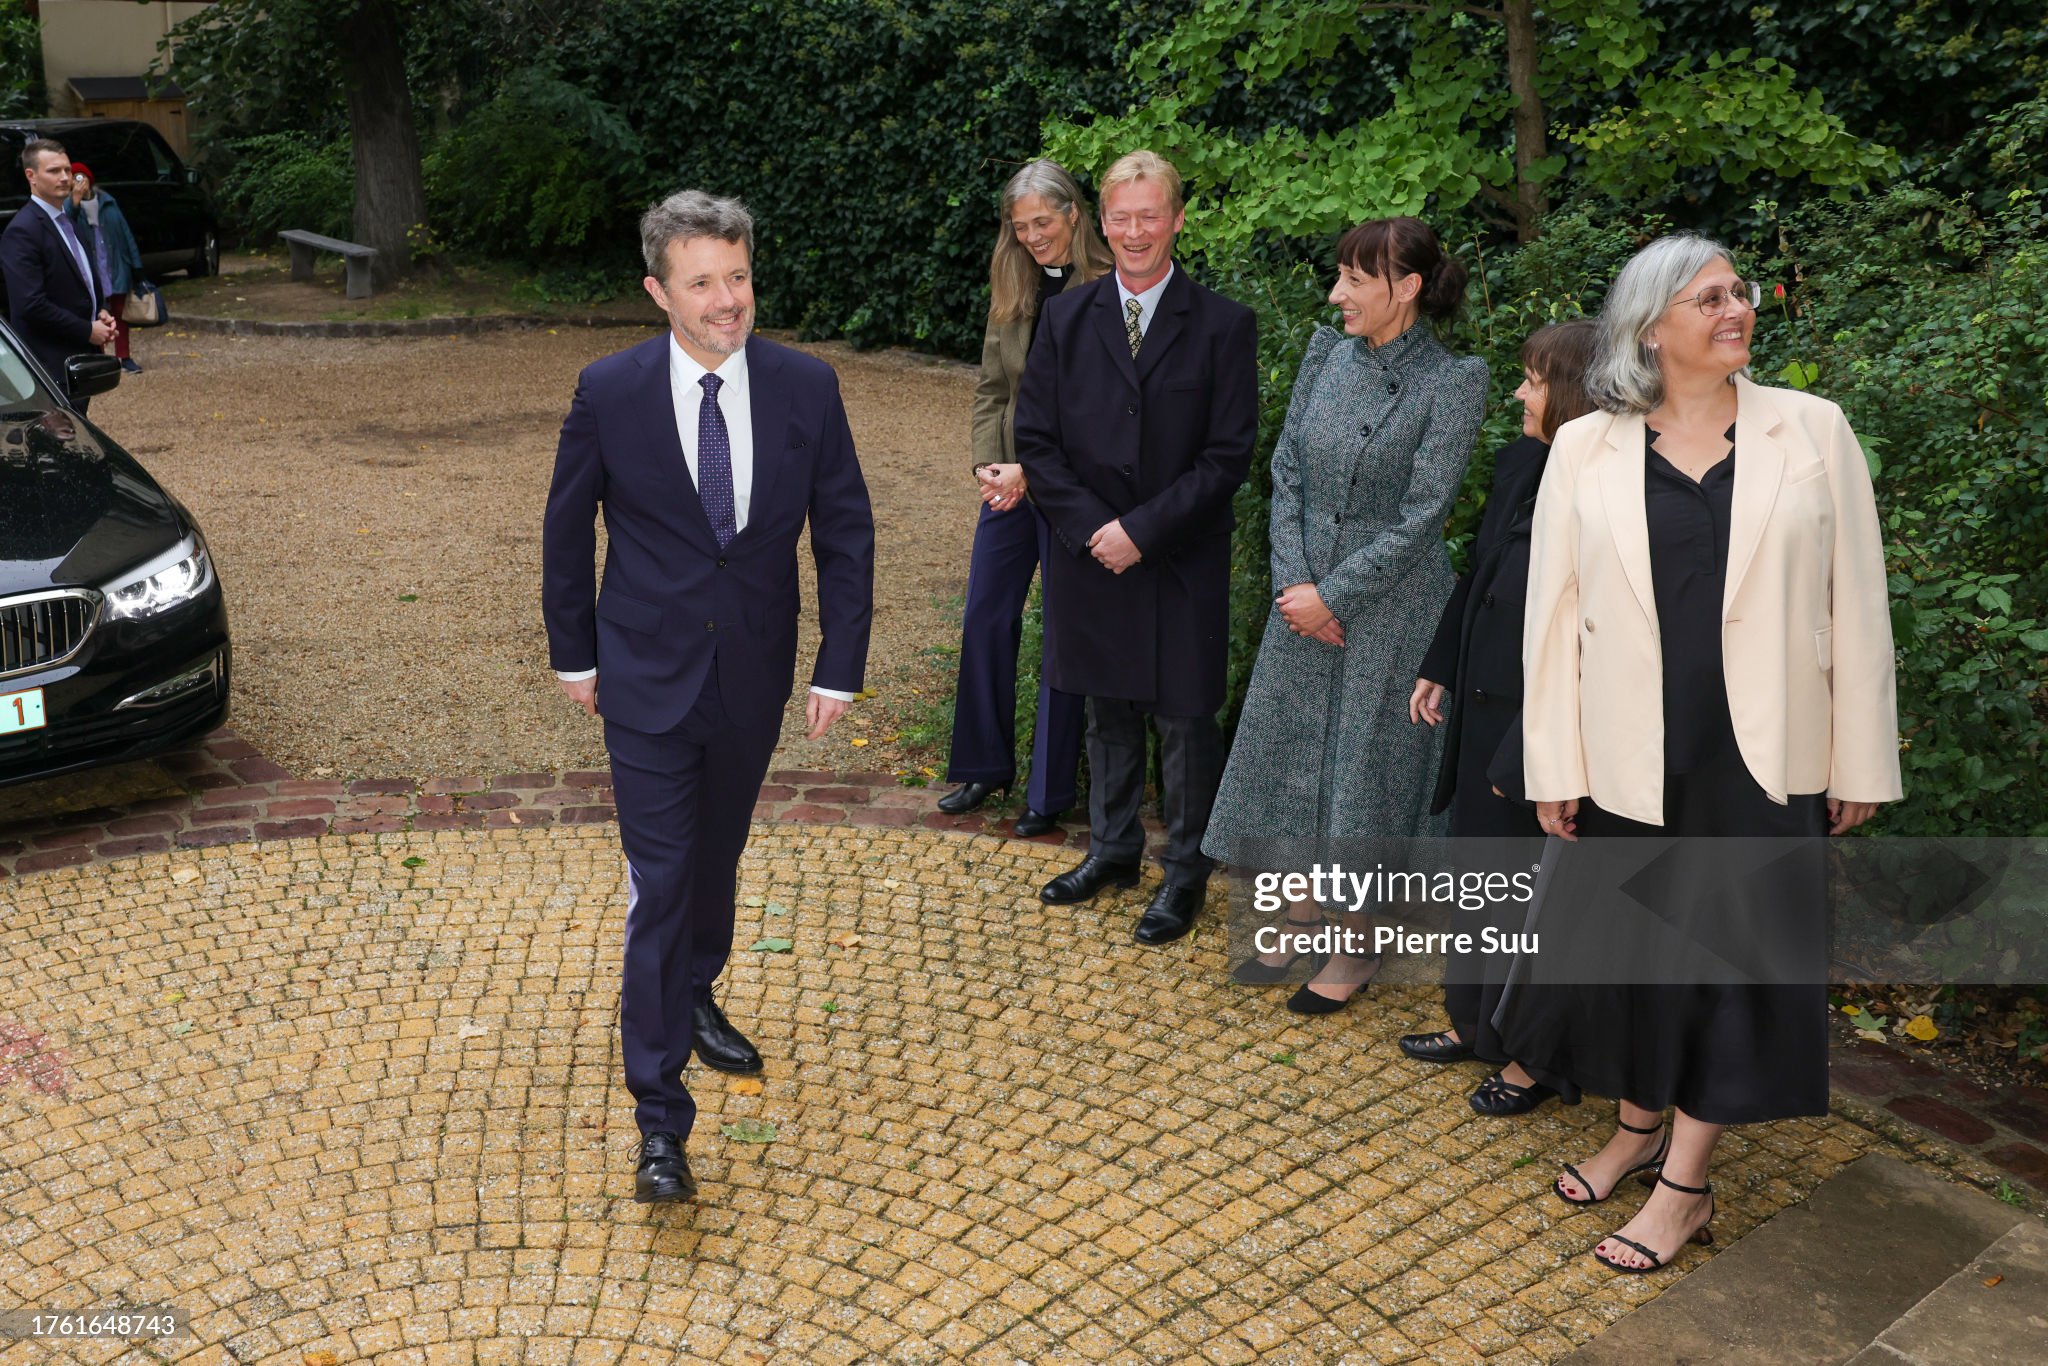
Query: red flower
{"type": "Point", "coordinates": [1778, 290]}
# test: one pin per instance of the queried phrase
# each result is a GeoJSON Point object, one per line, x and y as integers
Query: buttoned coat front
{"type": "Point", "coordinates": [1364, 474]}
{"type": "Point", "coordinates": [1806, 639]}
{"type": "Point", "coordinates": [1161, 442]}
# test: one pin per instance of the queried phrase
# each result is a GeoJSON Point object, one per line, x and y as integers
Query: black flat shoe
{"type": "Point", "coordinates": [1253, 973]}
{"type": "Point", "coordinates": [968, 797]}
{"type": "Point", "coordinates": [1037, 823]}
{"type": "Point", "coordinates": [1307, 1002]}
{"type": "Point", "coordinates": [1171, 914]}
{"type": "Point", "coordinates": [1502, 1098]}
{"type": "Point", "coordinates": [717, 1044]}
{"type": "Point", "coordinates": [1437, 1047]}
{"type": "Point", "coordinates": [663, 1176]}
{"type": "Point", "coordinates": [1083, 882]}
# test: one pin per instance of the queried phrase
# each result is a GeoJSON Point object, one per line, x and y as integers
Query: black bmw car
{"type": "Point", "coordinates": [113, 631]}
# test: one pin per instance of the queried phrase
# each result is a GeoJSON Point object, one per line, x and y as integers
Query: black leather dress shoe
{"type": "Point", "coordinates": [718, 1045]}
{"type": "Point", "coordinates": [663, 1177]}
{"type": "Point", "coordinates": [967, 797]}
{"type": "Point", "coordinates": [1171, 914]}
{"type": "Point", "coordinates": [1084, 882]}
{"type": "Point", "coordinates": [1037, 823]}
{"type": "Point", "coordinates": [1500, 1097]}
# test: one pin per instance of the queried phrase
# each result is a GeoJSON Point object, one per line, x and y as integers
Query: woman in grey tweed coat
{"type": "Point", "coordinates": [1377, 437]}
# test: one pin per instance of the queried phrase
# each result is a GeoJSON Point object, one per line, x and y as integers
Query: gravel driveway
{"type": "Point", "coordinates": [374, 507]}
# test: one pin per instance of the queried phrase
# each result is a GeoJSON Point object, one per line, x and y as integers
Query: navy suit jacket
{"type": "Point", "coordinates": [672, 601]}
{"type": "Point", "coordinates": [49, 305]}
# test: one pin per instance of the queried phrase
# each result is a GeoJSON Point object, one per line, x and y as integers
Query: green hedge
{"type": "Point", "coordinates": [871, 138]}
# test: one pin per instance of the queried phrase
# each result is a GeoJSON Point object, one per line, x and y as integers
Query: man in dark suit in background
{"type": "Point", "coordinates": [53, 302]}
{"type": "Point", "coordinates": [690, 652]}
{"type": "Point", "coordinates": [1136, 420]}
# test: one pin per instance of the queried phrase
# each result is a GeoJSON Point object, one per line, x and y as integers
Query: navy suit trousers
{"type": "Point", "coordinates": [684, 799]}
{"type": "Point", "coordinates": [1008, 548]}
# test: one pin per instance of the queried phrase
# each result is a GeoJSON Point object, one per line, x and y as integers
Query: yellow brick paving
{"type": "Point", "coordinates": [327, 1102]}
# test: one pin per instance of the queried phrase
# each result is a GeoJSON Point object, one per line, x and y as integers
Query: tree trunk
{"type": "Point", "coordinates": [1531, 201]}
{"type": "Point", "coordinates": [391, 196]}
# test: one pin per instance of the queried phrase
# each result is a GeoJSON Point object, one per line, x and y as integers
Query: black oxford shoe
{"type": "Point", "coordinates": [1171, 915]}
{"type": "Point", "coordinates": [1037, 823]}
{"type": "Point", "coordinates": [718, 1045]}
{"type": "Point", "coordinates": [1082, 883]}
{"type": "Point", "coordinates": [663, 1176]}
{"type": "Point", "coordinates": [966, 797]}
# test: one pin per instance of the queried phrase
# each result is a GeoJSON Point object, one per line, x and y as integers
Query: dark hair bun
{"type": "Point", "coordinates": [1443, 287]}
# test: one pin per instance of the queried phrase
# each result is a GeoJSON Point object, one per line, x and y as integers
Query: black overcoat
{"type": "Point", "coordinates": [1162, 442]}
{"type": "Point", "coordinates": [1477, 653]}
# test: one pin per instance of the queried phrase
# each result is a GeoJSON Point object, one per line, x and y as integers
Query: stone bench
{"type": "Point", "coordinates": [356, 257]}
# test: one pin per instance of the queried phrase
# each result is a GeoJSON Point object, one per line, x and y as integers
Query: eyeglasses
{"type": "Point", "coordinates": [1716, 298]}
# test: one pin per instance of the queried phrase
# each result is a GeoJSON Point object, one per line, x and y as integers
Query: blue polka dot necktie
{"type": "Point", "coordinates": [714, 464]}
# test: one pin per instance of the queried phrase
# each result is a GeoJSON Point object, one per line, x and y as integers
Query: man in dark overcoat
{"type": "Point", "coordinates": [1136, 420]}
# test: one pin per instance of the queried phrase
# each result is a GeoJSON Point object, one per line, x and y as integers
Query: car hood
{"type": "Point", "coordinates": [75, 509]}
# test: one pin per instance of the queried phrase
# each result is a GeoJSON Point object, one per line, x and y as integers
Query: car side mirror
{"type": "Point", "coordinates": [191, 175]}
{"type": "Point", "coordinates": [91, 374]}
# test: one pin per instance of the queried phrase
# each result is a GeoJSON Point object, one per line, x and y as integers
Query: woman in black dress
{"type": "Point", "coordinates": [1476, 661]}
{"type": "Point", "coordinates": [1706, 652]}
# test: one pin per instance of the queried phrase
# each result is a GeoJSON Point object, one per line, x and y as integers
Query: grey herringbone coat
{"type": "Point", "coordinates": [1365, 472]}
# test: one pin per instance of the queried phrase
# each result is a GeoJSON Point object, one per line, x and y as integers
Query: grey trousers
{"type": "Point", "coordinates": [1191, 765]}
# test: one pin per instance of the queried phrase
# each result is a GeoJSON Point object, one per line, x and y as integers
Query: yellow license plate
{"type": "Point", "coordinates": [21, 711]}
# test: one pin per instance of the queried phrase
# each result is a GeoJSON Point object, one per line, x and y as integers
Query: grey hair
{"type": "Point", "coordinates": [1625, 376]}
{"type": "Point", "coordinates": [689, 214]}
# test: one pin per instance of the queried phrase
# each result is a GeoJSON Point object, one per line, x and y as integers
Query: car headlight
{"type": "Point", "coordinates": [177, 576]}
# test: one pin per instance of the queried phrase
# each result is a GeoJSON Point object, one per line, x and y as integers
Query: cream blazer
{"type": "Point", "coordinates": [1806, 641]}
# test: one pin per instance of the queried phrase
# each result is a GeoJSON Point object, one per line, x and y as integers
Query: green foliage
{"type": "Point", "coordinates": [528, 174]}
{"type": "Point", "coordinates": [1738, 116]}
{"type": "Point", "coordinates": [285, 180]}
{"type": "Point", "coordinates": [1927, 322]}
{"type": "Point", "coordinates": [21, 63]}
{"type": "Point", "coordinates": [1444, 136]}
{"type": "Point", "coordinates": [870, 137]}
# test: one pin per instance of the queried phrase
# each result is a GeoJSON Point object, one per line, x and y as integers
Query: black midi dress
{"type": "Point", "coordinates": [1722, 1053]}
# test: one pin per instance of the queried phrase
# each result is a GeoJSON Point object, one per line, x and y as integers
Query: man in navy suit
{"type": "Point", "coordinates": [707, 449]}
{"type": "Point", "coordinates": [1136, 419]}
{"type": "Point", "coordinates": [53, 302]}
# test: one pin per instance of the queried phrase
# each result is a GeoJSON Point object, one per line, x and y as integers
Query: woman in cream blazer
{"type": "Point", "coordinates": [1706, 652]}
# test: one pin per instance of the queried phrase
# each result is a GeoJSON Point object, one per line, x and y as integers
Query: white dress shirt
{"type": "Point", "coordinates": [77, 252]}
{"type": "Point", "coordinates": [1148, 302]}
{"type": "Point", "coordinates": [686, 389]}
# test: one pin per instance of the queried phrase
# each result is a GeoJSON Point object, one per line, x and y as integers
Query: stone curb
{"type": "Point", "coordinates": [233, 794]}
{"type": "Point", "coordinates": [395, 327]}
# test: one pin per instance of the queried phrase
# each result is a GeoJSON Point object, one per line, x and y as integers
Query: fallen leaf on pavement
{"type": "Point", "coordinates": [750, 1131]}
{"type": "Point", "coordinates": [772, 946]}
{"type": "Point", "coordinates": [1921, 1028]}
{"type": "Point", "coordinates": [847, 941]}
{"type": "Point", "coordinates": [744, 1086]}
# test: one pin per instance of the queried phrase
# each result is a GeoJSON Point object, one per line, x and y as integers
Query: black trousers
{"type": "Point", "coordinates": [1191, 765]}
{"type": "Point", "coordinates": [685, 799]}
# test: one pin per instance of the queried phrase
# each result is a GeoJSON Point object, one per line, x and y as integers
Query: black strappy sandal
{"type": "Point", "coordinates": [1251, 972]}
{"type": "Point", "coordinates": [1653, 1167]}
{"type": "Point", "coordinates": [1702, 1235]}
